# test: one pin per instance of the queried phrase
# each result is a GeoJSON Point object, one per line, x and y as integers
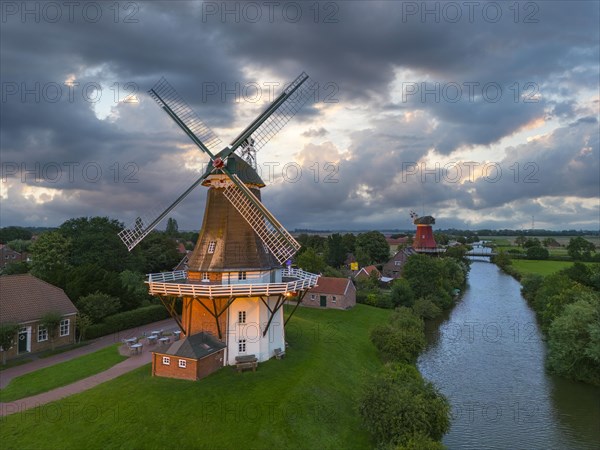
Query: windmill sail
{"type": "Point", "coordinates": [278, 114]}
{"type": "Point", "coordinates": [276, 238]}
{"type": "Point", "coordinates": [170, 101]}
{"type": "Point", "coordinates": [143, 225]}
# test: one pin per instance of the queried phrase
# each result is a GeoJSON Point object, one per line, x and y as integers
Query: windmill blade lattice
{"type": "Point", "coordinates": [276, 238]}
{"type": "Point", "coordinates": [165, 95]}
{"type": "Point", "coordinates": [144, 224]}
{"type": "Point", "coordinates": [288, 109]}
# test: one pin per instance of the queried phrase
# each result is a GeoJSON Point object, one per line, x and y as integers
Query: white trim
{"type": "Point", "coordinates": [60, 333]}
{"type": "Point", "coordinates": [166, 360]}
{"type": "Point", "coordinates": [182, 363]}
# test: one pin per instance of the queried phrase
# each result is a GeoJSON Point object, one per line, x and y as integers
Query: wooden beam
{"type": "Point", "coordinates": [171, 310]}
{"type": "Point", "coordinates": [300, 298]}
{"type": "Point", "coordinates": [278, 305]}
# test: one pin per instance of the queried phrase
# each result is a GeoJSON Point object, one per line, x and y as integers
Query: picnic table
{"type": "Point", "coordinates": [164, 340]}
{"type": "Point", "coordinates": [152, 339]}
{"type": "Point", "coordinates": [131, 341]}
{"type": "Point", "coordinates": [136, 348]}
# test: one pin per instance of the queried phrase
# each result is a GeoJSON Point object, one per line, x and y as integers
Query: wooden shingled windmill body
{"type": "Point", "coordinates": [237, 280]}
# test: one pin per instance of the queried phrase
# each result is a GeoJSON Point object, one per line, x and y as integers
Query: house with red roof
{"type": "Point", "coordinates": [24, 299]}
{"type": "Point", "coordinates": [366, 272]}
{"type": "Point", "coordinates": [330, 292]}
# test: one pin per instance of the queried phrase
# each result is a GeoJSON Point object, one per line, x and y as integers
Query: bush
{"type": "Point", "coordinates": [127, 319]}
{"type": "Point", "coordinates": [574, 342]}
{"type": "Point", "coordinates": [530, 285]}
{"type": "Point", "coordinates": [426, 309]}
{"type": "Point", "coordinates": [98, 305]}
{"type": "Point", "coordinates": [398, 407]}
{"type": "Point", "coordinates": [537, 253]}
{"type": "Point", "coordinates": [402, 339]}
{"type": "Point", "coordinates": [402, 294]}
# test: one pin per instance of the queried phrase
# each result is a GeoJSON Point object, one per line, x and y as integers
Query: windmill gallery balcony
{"type": "Point", "coordinates": [179, 285]}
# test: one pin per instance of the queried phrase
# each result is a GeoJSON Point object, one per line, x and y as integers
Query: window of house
{"type": "Point", "coordinates": [64, 327]}
{"type": "Point", "coordinates": [242, 346]}
{"type": "Point", "coordinates": [182, 363]}
{"type": "Point", "coordinates": [166, 361]}
{"type": "Point", "coordinates": [397, 263]}
{"type": "Point", "coordinates": [242, 316]}
{"type": "Point", "coordinates": [313, 296]}
{"type": "Point", "coordinates": [205, 276]}
{"type": "Point", "coordinates": [42, 334]}
{"type": "Point", "coordinates": [241, 275]}
{"type": "Point", "coordinates": [211, 246]}
{"type": "Point", "coordinates": [333, 298]}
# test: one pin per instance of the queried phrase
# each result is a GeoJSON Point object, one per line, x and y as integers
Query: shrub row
{"type": "Point", "coordinates": [128, 319]}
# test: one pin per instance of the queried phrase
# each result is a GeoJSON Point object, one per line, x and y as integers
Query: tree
{"type": "Point", "coordinates": [550, 242]}
{"type": "Point", "coordinates": [310, 261]}
{"type": "Point", "coordinates": [349, 241]}
{"type": "Point", "coordinates": [336, 250]}
{"type": "Point", "coordinates": [135, 291]}
{"type": "Point", "coordinates": [172, 227]}
{"type": "Point", "coordinates": [537, 252]}
{"type": "Point", "coordinates": [520, 240]}
{"type": "Point", "coordinates": [83, 324]}
{"type": "Point", "coordinates": [8, 332]}
{"type": "Point", "coordinates": [95, 240]}
{"type": "Point", "coordinates": [373, 243]}
{"type": "Point", "coordinates": [426, 309]}
{"type": "Point", "coordinates": [532, 242]}
{"type": "Point", "coordinates": [574, 342]}
{"type": "Point", "coordinates": [157, 252]}
{"type": "Point", "coordinates": [401, 293]}
{"type": "Point", "coordinates": [98, 305]}
{"type": "Point", "coordinates": [90, 278]}
{"type": "Point", "coordinates": [580, 248]}
{"type": "Point", "coordinates": [50, 258]}
{"type": "Point", "coordinates": [20, 245]}
{"type": "Point", "coordinates": [16, 268]}
{"type": "Point", "coordinates": [51, 322]}
{"type": "Point", "coordinates": [8, 234]}
{"type": "Point", "coordinates": [397, 405]}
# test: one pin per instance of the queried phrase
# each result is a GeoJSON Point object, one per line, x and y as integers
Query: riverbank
{"type": "Point", "coordinates": [486, 356]}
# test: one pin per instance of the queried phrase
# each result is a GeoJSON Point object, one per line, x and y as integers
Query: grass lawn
{"type": "Point", "coordinates": [525, 267]}
{"type": "Point", "coordinates": [307, 400]}
{"type": "Point", "coordinates": [61, 374]}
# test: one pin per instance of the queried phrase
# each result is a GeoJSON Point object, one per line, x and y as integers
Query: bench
{"type": "Point", "coordinates": [279, 354]}
{"type": "Point", "coordinates": [246, 362]}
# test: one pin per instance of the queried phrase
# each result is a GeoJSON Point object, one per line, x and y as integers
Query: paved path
{"type": "Point", "coordinates": [121, 368]}
{"type": "Point", "coordinates": [95, 345]}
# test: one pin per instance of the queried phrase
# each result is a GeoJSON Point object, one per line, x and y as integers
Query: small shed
{"type": "Point", "coordinates": [192, 358]}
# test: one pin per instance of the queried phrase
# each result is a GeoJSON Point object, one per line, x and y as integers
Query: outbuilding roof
{"type": "Point", "coordinates": [331, 285]}
{"type": "Point", "coordinates": [196, 346]}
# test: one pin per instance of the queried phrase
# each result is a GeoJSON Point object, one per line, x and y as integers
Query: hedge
{"type": "Point", "coordinates": [128, 319]}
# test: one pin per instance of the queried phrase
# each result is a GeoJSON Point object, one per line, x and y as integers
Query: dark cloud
{"type": "Point", "coordinates": [365, 56]}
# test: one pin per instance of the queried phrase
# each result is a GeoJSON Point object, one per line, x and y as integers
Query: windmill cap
{"type": "Point", "coordinates": [425, 220]}
{"type": "Point", "coordinates": [241, 168]}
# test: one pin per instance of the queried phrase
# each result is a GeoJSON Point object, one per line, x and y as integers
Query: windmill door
{"type": "Point", "coordinates": [323, 299]}
{"type": "Point", "coordinates": [23, 344]}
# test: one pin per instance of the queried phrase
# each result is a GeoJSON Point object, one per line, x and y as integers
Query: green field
{"type": "Point", "coordinates": [525, 267]}
{"type": "Point", "coordinates": [68, 372]}
{"type": "Point", "coordinates": [307, 400]}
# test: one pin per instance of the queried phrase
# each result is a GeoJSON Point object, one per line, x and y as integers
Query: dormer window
{"type": "Point", "coordinates": [211, 246]}
{"type": "Point", "coordinates": [205, 276]}
{"type": "Point", "coordinates": [241, 275]}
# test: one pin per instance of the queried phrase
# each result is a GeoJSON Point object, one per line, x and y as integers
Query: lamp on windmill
{"type": "Point", "coordinates": [241, 246]}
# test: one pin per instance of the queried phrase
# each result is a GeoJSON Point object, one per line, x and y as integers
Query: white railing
{"type": "Point", "coordinates": [175, 283]}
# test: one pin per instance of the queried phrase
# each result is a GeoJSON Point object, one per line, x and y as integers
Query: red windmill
{"type": "Point", "coordinates": [424, 239]}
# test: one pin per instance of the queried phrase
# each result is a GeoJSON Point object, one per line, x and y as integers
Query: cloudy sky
{"type": "Point", "coordinates": [481, 114]}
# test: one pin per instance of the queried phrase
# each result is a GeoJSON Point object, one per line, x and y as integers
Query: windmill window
{"type": "Point", "coordinates": [205, 276]}
{"type": "Point", "coordinates": [242, 275]}
{"type": "Point", "coordinates": [211, 246]}
{"type": "Point", "coordinates": [64, 327]}
{"type": "Point", "coordinates": [182, 363]}
{"type": "Point", "coordinates": [42, 334]}
{"type": "Point", "coordinates": [313, 296]}
{"type": "Point", "coordinates": [333, 299]}
{"type": "Point", "coordinates": [242, 316]}
{"type": "Point", "coordinates": [166, 361]}
{"type": "Point", "coordinates": [242, 346]}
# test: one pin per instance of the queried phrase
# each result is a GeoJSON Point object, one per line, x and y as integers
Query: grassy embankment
{"type": "Point", "coordinates": [308, 400]}
{"type": "Point", "coordinates": [61, 374]}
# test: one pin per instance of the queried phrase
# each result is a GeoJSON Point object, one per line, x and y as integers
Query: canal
{"type": "Point", "coordinates": [487, 357]}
